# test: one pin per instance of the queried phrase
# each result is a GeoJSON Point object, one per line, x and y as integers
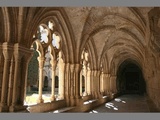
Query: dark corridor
{"type": "Point", "coordinates": [130, 79]}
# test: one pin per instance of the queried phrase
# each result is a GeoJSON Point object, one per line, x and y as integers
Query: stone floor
{"type": "Point", "coordinates": [126, 103]}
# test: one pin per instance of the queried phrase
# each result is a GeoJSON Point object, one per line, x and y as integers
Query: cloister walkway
{"type": "Point", "coordinates": [127, 103]}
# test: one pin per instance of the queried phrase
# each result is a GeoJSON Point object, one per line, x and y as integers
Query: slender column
{"type": "Point", "coordinates": [92, 83]}
{"type": "Point", "coordinates": [108, 83]}
{"type": "Point", "coordinates": [10, 86]}
{"type": "Point", "coordinates": [98, 83]}
{"type": "Point", "coordinates": [102, 83]}
{"type": "Point", "coordinates": [1, 68]}
{"type": "Point", "coordinates": [17, 56]}
{"type": "Point", "coordinates": [95, 84]}
{"type": "Point", "coordinates": [53, 63]}
{"type": "Point", "coordinates": [67, 83]}
{"type": "Point", "coordinates": [89, 82]}
{"type": "Point", "coordinates": [61, 79]}
{"type": "Point", "coordinates": [27, 57]}
{"type": "Point", "coordinates": [81, 83]}
{"type": "Point", "coordinates": [85, 76]}
{"type": "Point", "coordinates": [72, 68]}
{"type": "Point", "coordinates": [77, 83]}
{"type": "Point", "coordinates": [113, 83]}
{"type": "Point", "coordinates": [41, 64]}
{"type": "Point", "coordinates": [7, 52]}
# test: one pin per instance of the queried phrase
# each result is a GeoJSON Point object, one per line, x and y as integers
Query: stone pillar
{"type": "Point", "coordinates": [108, 88]}
{"type": "Point", "coordinates": [53, 63]}
{"type": "Point", "coordinates": [61, 79]}
{"type": "Point", "coordinates": [67, 83]}
{"type": "Point", "coordinates": [72, 101]}
{"type": "Point", "coordinates": [7, 52]}
{"type": "Point", "coordinates": [113, 84]}
{"type": "Point", "coordinates": [89, 82]}
{"type": "Point", "coordinates": [92, 83]}
{"type": "Point", "coordinates": [22, 57]}
{"type": "Point", "coordinates": [81, 83]}
{"type": "Point", "coordinates": [1, 68]}
{"type": "Point", "coordinates": [17, 73]}
{"type": "Point", "coordinates": [41, 64]}
{"type": "Point", "coordinates": [96, 81]}
{"type": "Point", "coordinates": [102, 76]}
{"type": "Point", "coordinates": [85, 77]}
{"type": "Point", "coordinates": [27, 57]}
{"type": "Point", "coordinates": [11, 80]}
{"type": "Point", "coordinates": [77, 83]}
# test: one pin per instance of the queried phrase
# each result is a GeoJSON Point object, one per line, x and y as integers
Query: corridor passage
{"type": "Point", "coordinates": [126, 103]}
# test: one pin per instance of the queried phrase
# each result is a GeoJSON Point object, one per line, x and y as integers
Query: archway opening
{"type": "Point", "coordinates": [130, 79]}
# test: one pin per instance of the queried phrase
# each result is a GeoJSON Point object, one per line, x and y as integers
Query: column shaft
{"type": "Point", "coordinates": [53, 63]}
{"type": "Point", "coordinates": [41, 64]}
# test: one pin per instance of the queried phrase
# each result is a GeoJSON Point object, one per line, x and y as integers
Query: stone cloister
{"type": "Point", "coordinates": [95, 53]}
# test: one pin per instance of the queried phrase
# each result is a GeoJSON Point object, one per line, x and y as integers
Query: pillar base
{"type": "Point", "coordinates": [40, 101]}
{"type": "Point", "coordinates": [4, 108]}
{"type": "Point", "coordinates": [85, 94]}
{"type": "Point", "coordinates": [52, 98]}
{"type": "Point", "coordinates": [72, 101]}
{"type": "Point", "coordinates": [17, 108]}
{"type": "Point", "coordinates": [78, 100]}
{"type": "Point", "coordinates": [67, 101]}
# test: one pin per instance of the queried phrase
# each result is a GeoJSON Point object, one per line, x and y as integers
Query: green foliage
{"type": "Point", "coordinates": [33, 69]}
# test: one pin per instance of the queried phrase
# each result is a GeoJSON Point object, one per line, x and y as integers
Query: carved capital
{"type": "Point", "coordinates": [72, 67]}
{"type": "Point", "coordinates": [7, 51]}
{"type": "Point", "coordinates": [54, 64]}
{"type": "Point", "coordinates": [41, 62]}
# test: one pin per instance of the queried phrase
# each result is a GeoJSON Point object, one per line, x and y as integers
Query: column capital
{"type": "Point", "coordinates": [7, 50]}
{"type": "Point", "coordinates": [78, 67]}
{"type": "Point", "coordinates": [96, 73]}
{"type": "Point", "coordinates": [67, 65]}
{"type": "Point", "coordinates": [53, 63]}
{"type": "Point", "coordinates": [41, 61]}
{"type": "Point", "coordinates": [72, 67]}
{"type": "Point", "coordinates": [107, 74]}
{"type": "Point", "coordinates": [88, 71]}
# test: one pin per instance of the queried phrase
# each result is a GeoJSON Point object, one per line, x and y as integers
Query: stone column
{"type": "Point", "coordinates": [77, 83]}
{"type": "Point", "coordinates": [102, 76]}
{"type": "Point", "coordinates": [67, 83]}
{"type": "Point", "coordinates": [72, 101]}
{"type": "Point", "coordinates": [89, 82]}
{"type": "Point", "coordinates": [27, 57]}
{"type": "Point", "coordinates": [53, 63]}
{"type": "Point", "coordinates": [85, 77]}
{"type": "Point", "coordinates": [17, 73]}
{"type": "Point", "coordinates": [61, 79]}
{"type": "Point", "coordinates": [11, 80]}
{"type": "Point", "coordinates": [96, 80]}
{"type": "Point", "coordinates": [22, 57]}
{"type": "Point", "coordinates": [7, 52]}
{"type": "Point", "coordinates": [107, 84]}
{"type": "Point", "coordinates": [104, 84]}
{"type": "Point", "coordinates": [81, 82]}
{"type": "Point", "coordinates": [1, 68]}
{"type": "Point", "coordinates": [41, 64]}
{"type": "Point", "coordinates": [92, 83]}
{"type": "Point", "coordinates": [113, 83]}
